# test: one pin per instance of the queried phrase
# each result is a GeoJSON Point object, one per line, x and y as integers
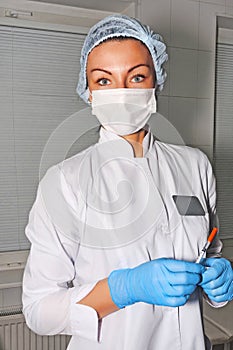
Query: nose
{"type": "Point", "coordinates": [120, 80]}
{"type": "Point", "coordinates": [121, 84]}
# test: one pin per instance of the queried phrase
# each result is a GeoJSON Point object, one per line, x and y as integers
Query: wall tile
{"type": "Point", "coordinates": [184, 23]}
{"type": "Point", "coordinates": [182, 114]}
{"type": "Point", "coordinates": [183, 72]}
{"type": "Point", "coordinates": [207, 25]}
{"type": "Point", "coordinates": [160, 125]}
{"type": "Point", "coordinates": [163, 105]}
{"type": "Point", "coordinates": [216, 2]}
{"type": "Point", "coordinates": [157, 15]}
{"type": "Point", "coordinates": [205, 122]}
{"type": "Point", "coordinates": [229, 3]}
{"type": "Point", "coordinates": [229, 10]}
{"type": "Point", "coordinates": [206, 74]}
{"type": "Point", "coordinates": [164, 130]}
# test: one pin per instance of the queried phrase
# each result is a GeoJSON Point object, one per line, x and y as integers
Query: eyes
{"type": "Point", "coordinates": [138, 78]}
{"type": "Point", "coordinates": [103, 81]}
{"type": "Point", "coordinates": [135, 79]}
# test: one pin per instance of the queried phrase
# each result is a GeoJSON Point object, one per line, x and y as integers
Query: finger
{"type": "Point", "coordinates": [221, 298]}
{"type": "Point", "coordinates": [177, 291]}
{"type": "Point", "coordinates": [208, 262]}
{"type": "Point", "coordinates": [219, 268]}
{"type": "Point", "coordinates": [212, 273]}
{"type": "Point", "coordinates": [173, 265]}
{"type": "Point", "coordinates": [176, 301]}
{"type": "Point", "coordinates": [219, 282]}
{"type": "Point", "coordinates": [184, 278]}
{"type": "Point", "coordinates": [226, 289]}
{"type": "Point", "coordinates": [169, 291]}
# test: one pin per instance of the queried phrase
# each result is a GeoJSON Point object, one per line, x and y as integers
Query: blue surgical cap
{"type": "Point", "coordinates": [122, 26]}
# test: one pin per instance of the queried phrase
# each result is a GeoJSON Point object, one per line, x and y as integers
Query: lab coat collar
{"type": "Point", "coordinates": [123, 145]}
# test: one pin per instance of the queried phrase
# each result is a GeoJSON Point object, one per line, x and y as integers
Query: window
{"type": "Point", "coordinates": [223, 150]}
{"type": "Point", "coordinates": [39, 72]}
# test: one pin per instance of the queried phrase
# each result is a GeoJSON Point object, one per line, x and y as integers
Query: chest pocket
{"type": "Point", "coordinates": [188, 205]}
{"type": "Point", "coordinates": [192, 212]}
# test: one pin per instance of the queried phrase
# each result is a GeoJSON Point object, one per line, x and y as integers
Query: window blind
{"type": "Point", "coordinates": [223, 150]}
{"type": "Point", "coordinates": [39, 72]}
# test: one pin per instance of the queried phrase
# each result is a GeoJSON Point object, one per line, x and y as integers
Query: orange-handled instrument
{"type": "Point", "coordinates": [206, 246]}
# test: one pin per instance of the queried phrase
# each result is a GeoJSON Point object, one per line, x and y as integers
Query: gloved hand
{"type": "Point", "coordinates": [166, 282]}
{"type": "Point", "coordinates": [217, 280]}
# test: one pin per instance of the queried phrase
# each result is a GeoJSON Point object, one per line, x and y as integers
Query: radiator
{"type": "Point", "coordinates": [15, 335]}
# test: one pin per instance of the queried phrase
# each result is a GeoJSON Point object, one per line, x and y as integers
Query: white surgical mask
{"type": "Point", "coordinates": [123, 111]}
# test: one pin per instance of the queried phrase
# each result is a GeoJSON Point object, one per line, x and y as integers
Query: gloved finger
{"type": "Point", "coordinates": [176, 291]}
{"type": "Point", "coordinates": [169, 291]}
{"type": "Point", "coordinates": [212, 273]}
{"type": "Point", "coordinates": [176, 301]}
{"type": "Point", "coordinates": [218, 266]}
{"type": "Point", "coordinates": [227, 288]}
{"type": "Point", "coordinates": [208, 262]}
{"type": "Point", "coordinates": [184, 278]}
{"type": "Point", "coordinates": [215, 282]}
{"type": "Point", "coordinates": [222, 298]}
{"type": "Point", "coordinates": [173, 265]}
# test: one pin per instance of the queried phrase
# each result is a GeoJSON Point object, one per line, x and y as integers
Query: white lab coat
{"type": "Point", "coordinates": [101, 210]}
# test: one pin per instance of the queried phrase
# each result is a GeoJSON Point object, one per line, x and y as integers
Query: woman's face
{"type": "Point", "coordinates": [120, 64]}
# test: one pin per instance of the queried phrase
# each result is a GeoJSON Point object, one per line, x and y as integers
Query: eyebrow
{"type": "Point", "coordinates": [130, 70]}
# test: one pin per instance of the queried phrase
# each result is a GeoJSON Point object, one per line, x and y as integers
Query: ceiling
{"type": "Point", "coordinates": [102, 5]}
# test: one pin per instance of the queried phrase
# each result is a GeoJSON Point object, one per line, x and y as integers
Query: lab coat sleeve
{"type": "Point", "coordinates": [215, 250]}
{"type": "Point", "coordinates": [49, 306]}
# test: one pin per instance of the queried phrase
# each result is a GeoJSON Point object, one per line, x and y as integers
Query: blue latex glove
{"type": "Point", "coordinates": [217, 280]}
{"type": "Point", "coordinates": [166, 282]}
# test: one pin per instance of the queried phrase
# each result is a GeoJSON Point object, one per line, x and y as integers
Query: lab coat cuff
{"type": "Point", "coordinates": [214, 303]}
{"type": "Point", "coordinates": [84, 320]}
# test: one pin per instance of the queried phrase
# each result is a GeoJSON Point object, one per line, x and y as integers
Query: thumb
{"type": "Point", "coordinates": [209, 262]}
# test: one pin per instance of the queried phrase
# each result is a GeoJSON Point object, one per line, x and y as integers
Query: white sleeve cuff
{"type": "Point", "coordinates": [214, 303]}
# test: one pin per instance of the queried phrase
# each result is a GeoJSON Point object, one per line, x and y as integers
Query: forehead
{"type": "Point", "coordinates": [115, 52]}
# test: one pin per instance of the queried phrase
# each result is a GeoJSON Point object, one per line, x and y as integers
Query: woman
{"type": "Point", "coordinates": [123, 275]}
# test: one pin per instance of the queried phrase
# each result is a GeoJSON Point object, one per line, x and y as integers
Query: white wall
{"type": "Point", "coordinates": [189, 29]}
